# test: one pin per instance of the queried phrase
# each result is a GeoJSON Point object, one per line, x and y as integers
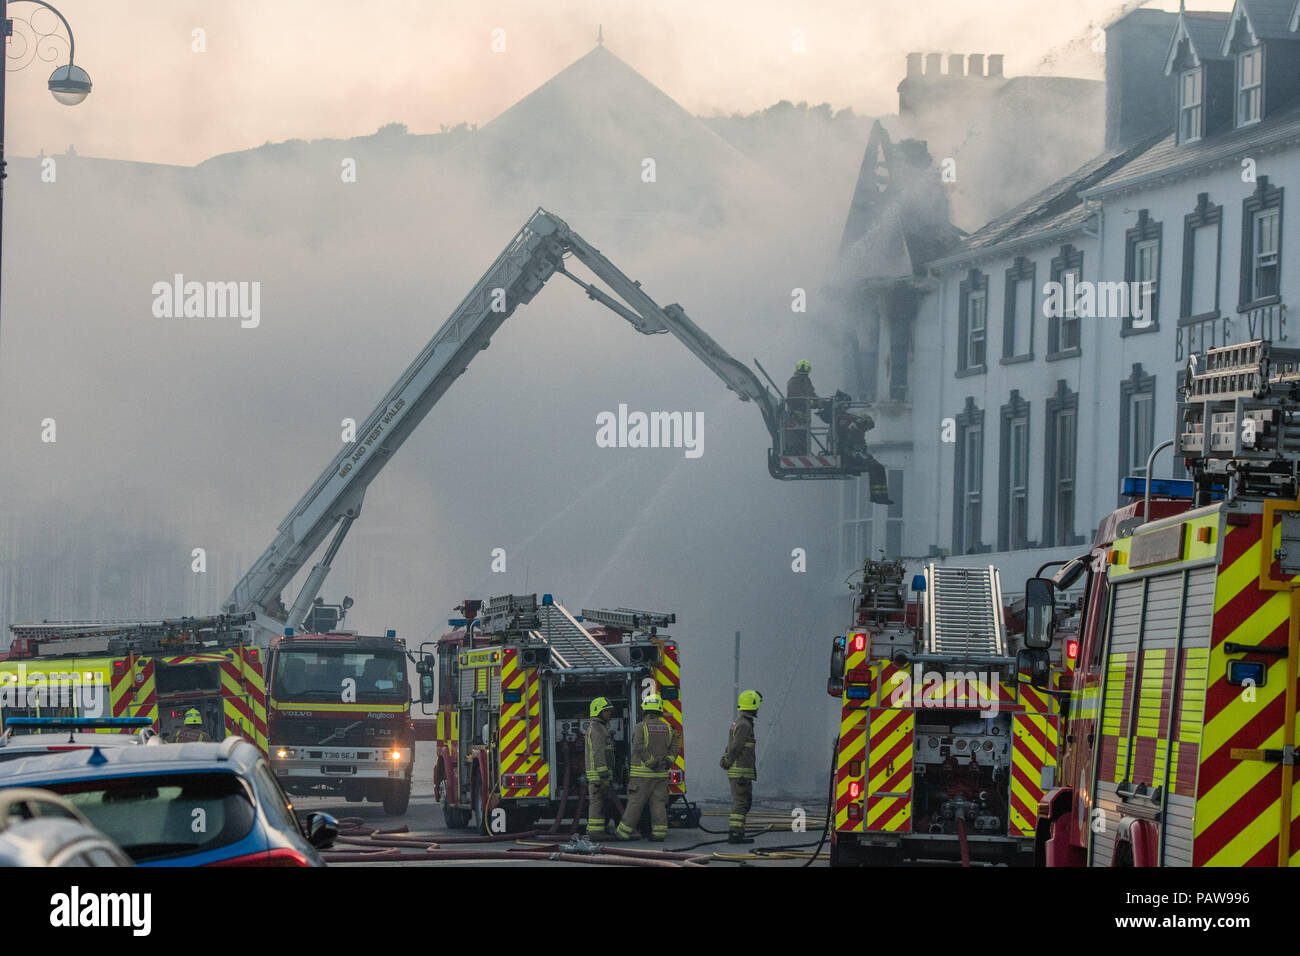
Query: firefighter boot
{"type": "Point", "coordinates": [879, 482]}
{"type": "Point", "coordinates": [740, 837]}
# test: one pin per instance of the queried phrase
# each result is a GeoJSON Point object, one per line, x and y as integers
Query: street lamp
{"type": "Point", "coordinates": [68, 84]}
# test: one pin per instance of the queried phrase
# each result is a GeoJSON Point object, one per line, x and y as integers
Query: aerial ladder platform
{"type": "Point", "coordinates": [543, 247]}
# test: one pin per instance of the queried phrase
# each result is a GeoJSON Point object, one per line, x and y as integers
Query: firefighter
{"type": "Point", "coordinates": [738, 761]}
{"type": "Point", "coordinates": [600, 765]}
{"type": "Point", "coordinates": [654, 748]}
{"type": "Point", "coordinates": [799, 398]}
{"type": "Point", "coordinates": [851, 441]}
{"type": "Point", "coordinates": [193, 729]}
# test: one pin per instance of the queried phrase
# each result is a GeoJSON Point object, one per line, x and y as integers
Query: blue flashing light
{"type": "Point", "coordinates": [918, 582]}
{"type": "Point", "coordinates": [547, 600]}
{"type": "Point", "coordinates": [390, 633]}
{"type": "Point", "coordinates": [857, 692]}
{"type": "Point", "coordinates": [840, 641]}
{"type": "Point", "coordinates": [456, 621]}
{"type": "Point", "coordinates": [78, 722]}
{"type": "Point", "coordinates": [512, 696]}
{"type": "Point", "coordinates": [96, 757]}
{"type": "Point", "coordinates": [288, 632]}
{"type": "Point", "coordinates": [1183, 489]}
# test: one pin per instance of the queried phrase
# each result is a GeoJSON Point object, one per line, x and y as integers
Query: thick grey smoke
{"type": "Point", "coordinates": [183, 433]}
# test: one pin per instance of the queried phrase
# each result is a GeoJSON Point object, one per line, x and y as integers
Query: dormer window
{"type": "Point", "coordinates": [1250, 86]}
{"type": "Point", "coordinates": [1189, 107]}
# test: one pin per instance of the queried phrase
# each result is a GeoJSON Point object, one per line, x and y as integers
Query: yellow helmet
{"type": "Point", "coordinates": [749, 700]}
{"type": "Point", "coordinates": [653, 703]}
{"type": "Point", "coordinates": [598, 705]}
{"type": "Point", "coordinates": [803, 367]}
{"type": "Point", "coordinates": [193, 717]}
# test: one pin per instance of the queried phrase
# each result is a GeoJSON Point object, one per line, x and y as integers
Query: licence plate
{"type": "Point", "coordinates": [337, 755]}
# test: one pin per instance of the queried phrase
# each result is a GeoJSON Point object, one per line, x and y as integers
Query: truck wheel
{"type": "Point", "coordinates": [517, 821]}
{"type": "Point", "coordinates": [353, 793]}
{"type": "Point", "coordinates": [398, 798]}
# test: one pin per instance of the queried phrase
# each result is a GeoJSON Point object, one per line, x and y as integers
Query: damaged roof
{"type": "Point", "coordinates": [1058, 207]}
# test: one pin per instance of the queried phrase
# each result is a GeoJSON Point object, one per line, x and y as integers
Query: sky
{"type": "Point", "coordinates": [280, 69]}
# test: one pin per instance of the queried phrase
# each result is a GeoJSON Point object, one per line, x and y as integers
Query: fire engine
{"type": "Point", "coordinates": [943, 750]}
{"type": "Point", "coordinates": [154, 669]}
{"type": "Point", "coordinates": [1180, 748]}
{"type": "Point", "coordinates": [511, 685]}
{"type": "Point", "coordinates": [339, 717]}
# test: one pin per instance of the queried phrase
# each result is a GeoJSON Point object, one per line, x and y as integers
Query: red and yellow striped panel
{"type": "Point", "coordinates": [893, 685]}
{"type": "Point", "coordinates": [1239, 802]}
{"type": "Point", "coordinates": [667, 673]}
{"type": "Point", "coordinates": [243, 696]}
{"type": "Point", "coordinates": [850, 767]}
{"type": "Point", "coordinates": [889, 770]}
{"type": "Point", "coordinates": [1112, 750]}
{"type": "Point", "coordinates": [1033, 748]}
{"type": "Point", "coordinates": [520, 727]}
{"type": "Point", "coordinates": [134, 692]}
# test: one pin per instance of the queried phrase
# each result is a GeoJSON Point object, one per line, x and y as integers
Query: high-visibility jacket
{"type": "Point", "coordinates": [738, 761]}
{"type": "Point", "coordinates": [654, 747]}
{"type": "Point", "coordinates": [600, 751]}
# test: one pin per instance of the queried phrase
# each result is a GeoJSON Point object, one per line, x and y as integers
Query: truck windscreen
{"type": "Point", "coordinates": [340, 674]}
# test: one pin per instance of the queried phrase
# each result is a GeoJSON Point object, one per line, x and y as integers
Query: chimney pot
{"type": "Point", "coordinates": [956, 65]}
{"type": "Point", "coordinates": [995, 65]}
{"type": "Point", "coordinates": [933, 64]}
{"type": "Point", "coordinates": [975, 65]}
{"type": "Point", "coordinates": [913, 64]}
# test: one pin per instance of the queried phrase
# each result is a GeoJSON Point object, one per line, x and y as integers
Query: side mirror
{"type": "Point", "coordinates": [835, 684]}
{"type": "Point", "coordinates": [320, 829]}
{"type": "Point", "coordinates": [1037, 663]}
{"type": "Point", "coordinates": [426, 688]}
{"type": "Point", "coordinates": [1040, 613]}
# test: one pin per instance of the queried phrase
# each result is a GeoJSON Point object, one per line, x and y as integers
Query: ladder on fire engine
{"type": "Point", "coordinates": [963, 612]}
{"type": "Point", "coordinates": [121, 636]}
{"type": "Point", "coordinates": [571, 644]}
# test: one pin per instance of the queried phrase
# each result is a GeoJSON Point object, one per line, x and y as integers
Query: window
{"type": "Point", "coordinates": [1060, 468]}
{"type": "Point", "coordinates": [1137, 422]}
{"type": "Point", "coordinates": [855, 524]}
{"type": "Point", "coordinates": [894, 521]}
{"type": "Point", "coordinates": [1013, 500]}
{"type": "Point", "coordinates": [1142, 273]}
{"type": "Point", "coordinates": [1063, 330]}
{"type": "Point", "coordinates": [1189, 107]}
{"type": "Point", "coordinates": [968, 484]}
{"type": "Point", "coordinates": [1018, 312]}
{"type": "Point", "coordinates": [1201, 257]}
{"type": "Point", "coordinates": [1250, 86]}
{"type": "Point", "coordinates": [972, 325]}
{"type": "Point", "coordinates": [1261, 245]}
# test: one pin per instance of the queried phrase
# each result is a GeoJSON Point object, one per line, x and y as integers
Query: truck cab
{"type": "Point", "coordinates": [339, 717]}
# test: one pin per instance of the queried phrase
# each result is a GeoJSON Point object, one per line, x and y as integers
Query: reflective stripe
{"type": "Point", "coordinates": [642, 772]}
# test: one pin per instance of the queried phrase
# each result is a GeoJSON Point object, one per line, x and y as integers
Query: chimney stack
{"type": "Point", "coordinates": [975, 65]}
{"type": "Point", "coordinates": [995, 66]}
{"type": "Point", "coordinates": [956, 65]}
{"type": "Point", "coordinates": [913, 64]}
{"type": "Point", "coordinates": [933, 64]}
{"type": "Point", "coordinates": [1139, 97]}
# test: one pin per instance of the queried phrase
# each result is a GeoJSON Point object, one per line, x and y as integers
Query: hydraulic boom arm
{"type": "Point", "coordinates": [334, 500]}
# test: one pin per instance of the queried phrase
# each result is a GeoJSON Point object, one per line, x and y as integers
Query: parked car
{"type": "Point", "coordinates": [39, 828]}
{"type": "Point", "coordinates": [47, 735]}
{"type": "Point", "coordinates": [191, 804]}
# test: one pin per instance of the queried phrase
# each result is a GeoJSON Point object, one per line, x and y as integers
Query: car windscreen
{"type": "Point", "coordinates": [340, 674]}
{"type": "Point", "coordinates": [157, 816]}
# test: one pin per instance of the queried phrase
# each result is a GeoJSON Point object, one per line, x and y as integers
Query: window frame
{"type": "Point", "coordinates": [1196, 110]}
{"type": "Point", "coordinates": [1143, 234]}
{"type": "Point", "coordinates": [975, 283]}
{"type": "Point", "coordinates": [970, 418]}
{"type": "Point", "coordinates": [1266, 198]}
{"type": "Point", "coordinates": [1015, 413]}
{"type": "Point", "coordinates": [1061, 403]}
{"type": "Point", "coordinates": [1204, 216]}
{"type": "Point", "coordinates": [1139, 383]}
{"type": "Point", "coordinates": [1022, 270]}
{"type": "Point", "coordinates": [1070, 259]}
{"type": "Point", "coordinates": [1257, 88]}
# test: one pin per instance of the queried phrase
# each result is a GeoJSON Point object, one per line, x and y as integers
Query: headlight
{"type": "Point", "coordinates": [395, 755]}
{"type": "Point", "coordinates": [284, 753]}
